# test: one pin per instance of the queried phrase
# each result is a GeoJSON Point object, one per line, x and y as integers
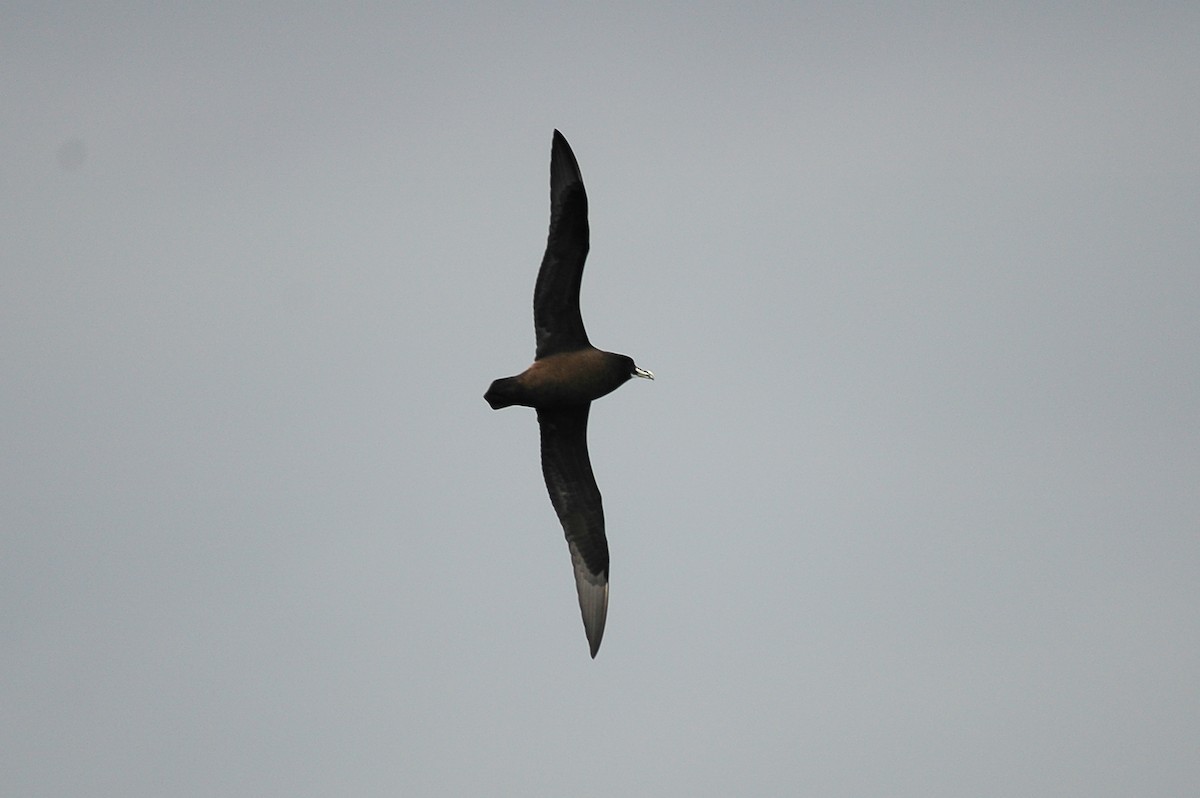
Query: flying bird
{"type": "Point", "coordinates": [566, 375]}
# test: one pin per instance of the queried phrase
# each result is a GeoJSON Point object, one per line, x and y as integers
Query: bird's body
{"type": "Point", "coordinates": [568, 373]}
{"type": "Point", "coordinates": [567, 378]}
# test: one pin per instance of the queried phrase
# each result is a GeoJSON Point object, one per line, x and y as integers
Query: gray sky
{"type": "Point", "coordinates": [912, 509]}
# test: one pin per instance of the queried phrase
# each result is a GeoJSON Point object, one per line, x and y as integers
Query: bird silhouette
{"type": "Point", "coordinates": [567, 374]}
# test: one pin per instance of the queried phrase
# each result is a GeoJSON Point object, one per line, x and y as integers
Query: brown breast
{"type": "Point", "coordinates": [570, 377]}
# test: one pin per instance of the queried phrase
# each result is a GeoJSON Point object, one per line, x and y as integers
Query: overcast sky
{"type": "Point", "coordinates": [911, 509]}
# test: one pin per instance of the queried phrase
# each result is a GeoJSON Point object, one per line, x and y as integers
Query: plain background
{"type": "Point", "coordinates": [912, 509]}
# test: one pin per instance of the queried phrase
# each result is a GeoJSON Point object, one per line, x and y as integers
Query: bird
{"type": "Point", "coordinates": [566, 376]}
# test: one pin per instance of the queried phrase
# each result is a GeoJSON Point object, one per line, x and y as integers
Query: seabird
{"type": "Point", "coordinates": [566, 375]}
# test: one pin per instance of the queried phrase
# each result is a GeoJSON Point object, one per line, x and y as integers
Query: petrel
{"type": "Point", "coordinates": [566, 375]}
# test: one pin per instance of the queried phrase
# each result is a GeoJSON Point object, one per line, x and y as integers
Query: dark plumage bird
{"type": "Point", "coordinates": [566, 375]}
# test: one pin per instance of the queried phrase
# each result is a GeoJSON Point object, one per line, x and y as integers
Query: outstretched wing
{"type": "Point", "coordinates": [556, 318]}
{"type": "Point", "coordinates": [576, 499]}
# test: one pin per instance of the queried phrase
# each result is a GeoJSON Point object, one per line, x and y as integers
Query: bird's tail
{"type": "Point", "coordinates": [502, 393]}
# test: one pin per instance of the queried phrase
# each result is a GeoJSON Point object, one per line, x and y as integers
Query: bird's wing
{"type": "Point", "coordinates": [556, 318]}
{"type": "Point", "coordinates": [576, 499]}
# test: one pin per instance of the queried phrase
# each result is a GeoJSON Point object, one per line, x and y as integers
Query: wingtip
{"type": "Point", "coordinates": [595, 611]}
{"type": "Point", "coordinates": [593, 600]}
{"type": "Point", "coordinates": [564, 169]}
